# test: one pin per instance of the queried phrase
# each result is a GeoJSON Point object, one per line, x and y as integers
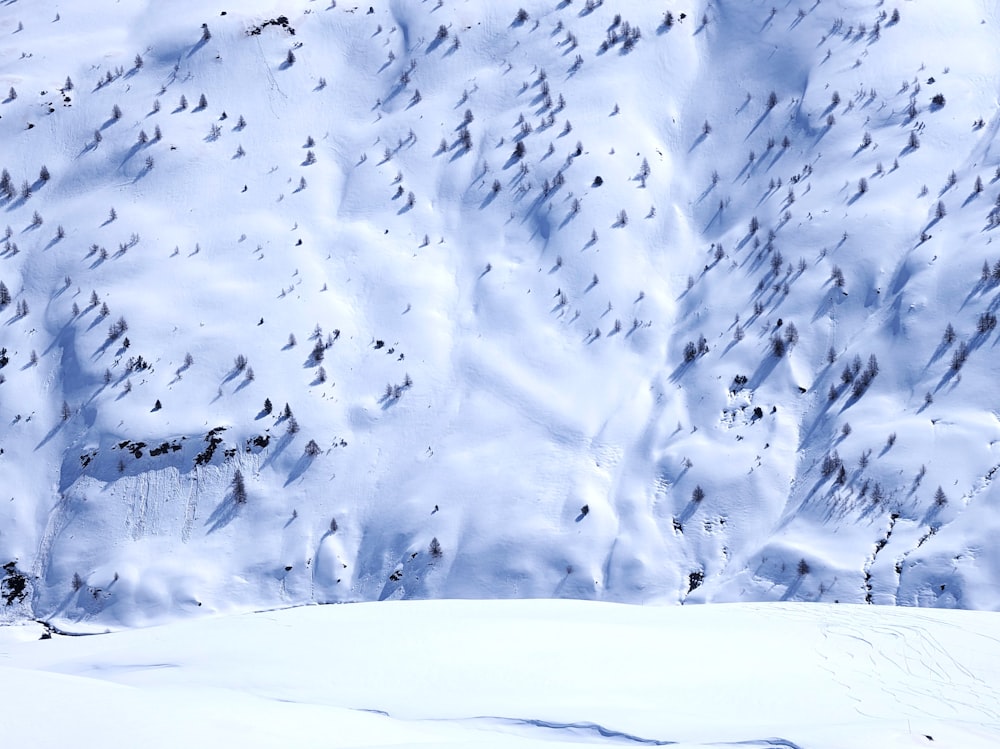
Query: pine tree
{"type": "Point", "coordinates": [239, 488]}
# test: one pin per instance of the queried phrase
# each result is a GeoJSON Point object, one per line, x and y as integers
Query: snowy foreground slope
{"type": "Point", "coordinates": [515, 674]}
{"type": "Point", "coordinates": [557, 310]}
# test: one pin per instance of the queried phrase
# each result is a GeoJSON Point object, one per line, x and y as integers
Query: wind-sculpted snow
{"type": "Point", "coordinates": [314, 304]}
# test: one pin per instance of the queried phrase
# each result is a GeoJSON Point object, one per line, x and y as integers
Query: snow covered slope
{"type": "Point", "coordinates": [515, 674]}
{"type": "Point", "coordinates": [567, 306]}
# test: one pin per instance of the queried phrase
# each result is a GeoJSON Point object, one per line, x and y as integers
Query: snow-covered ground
{"type": "Point", "coordinates": [503, 376]}
{"type": "Point", "coordinates": [515, 674]}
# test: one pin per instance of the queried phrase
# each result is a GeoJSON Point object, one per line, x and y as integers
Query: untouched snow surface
{"type": "Point", "coordinates": [502, 371]}
{"type": "Point", "coordinates": [515, 674]}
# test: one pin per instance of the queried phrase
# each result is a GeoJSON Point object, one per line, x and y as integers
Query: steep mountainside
{"type": "Point", "coordinates": [616, 301]}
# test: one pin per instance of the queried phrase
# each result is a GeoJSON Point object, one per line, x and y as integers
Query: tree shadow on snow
{"type": "Point", "coordinates": [223, 514]}
{"type": "Point", "coordinates": [298, 469]}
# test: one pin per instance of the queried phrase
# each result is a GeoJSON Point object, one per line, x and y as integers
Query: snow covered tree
{"type": "Point", "coordinates": [319, 351]}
